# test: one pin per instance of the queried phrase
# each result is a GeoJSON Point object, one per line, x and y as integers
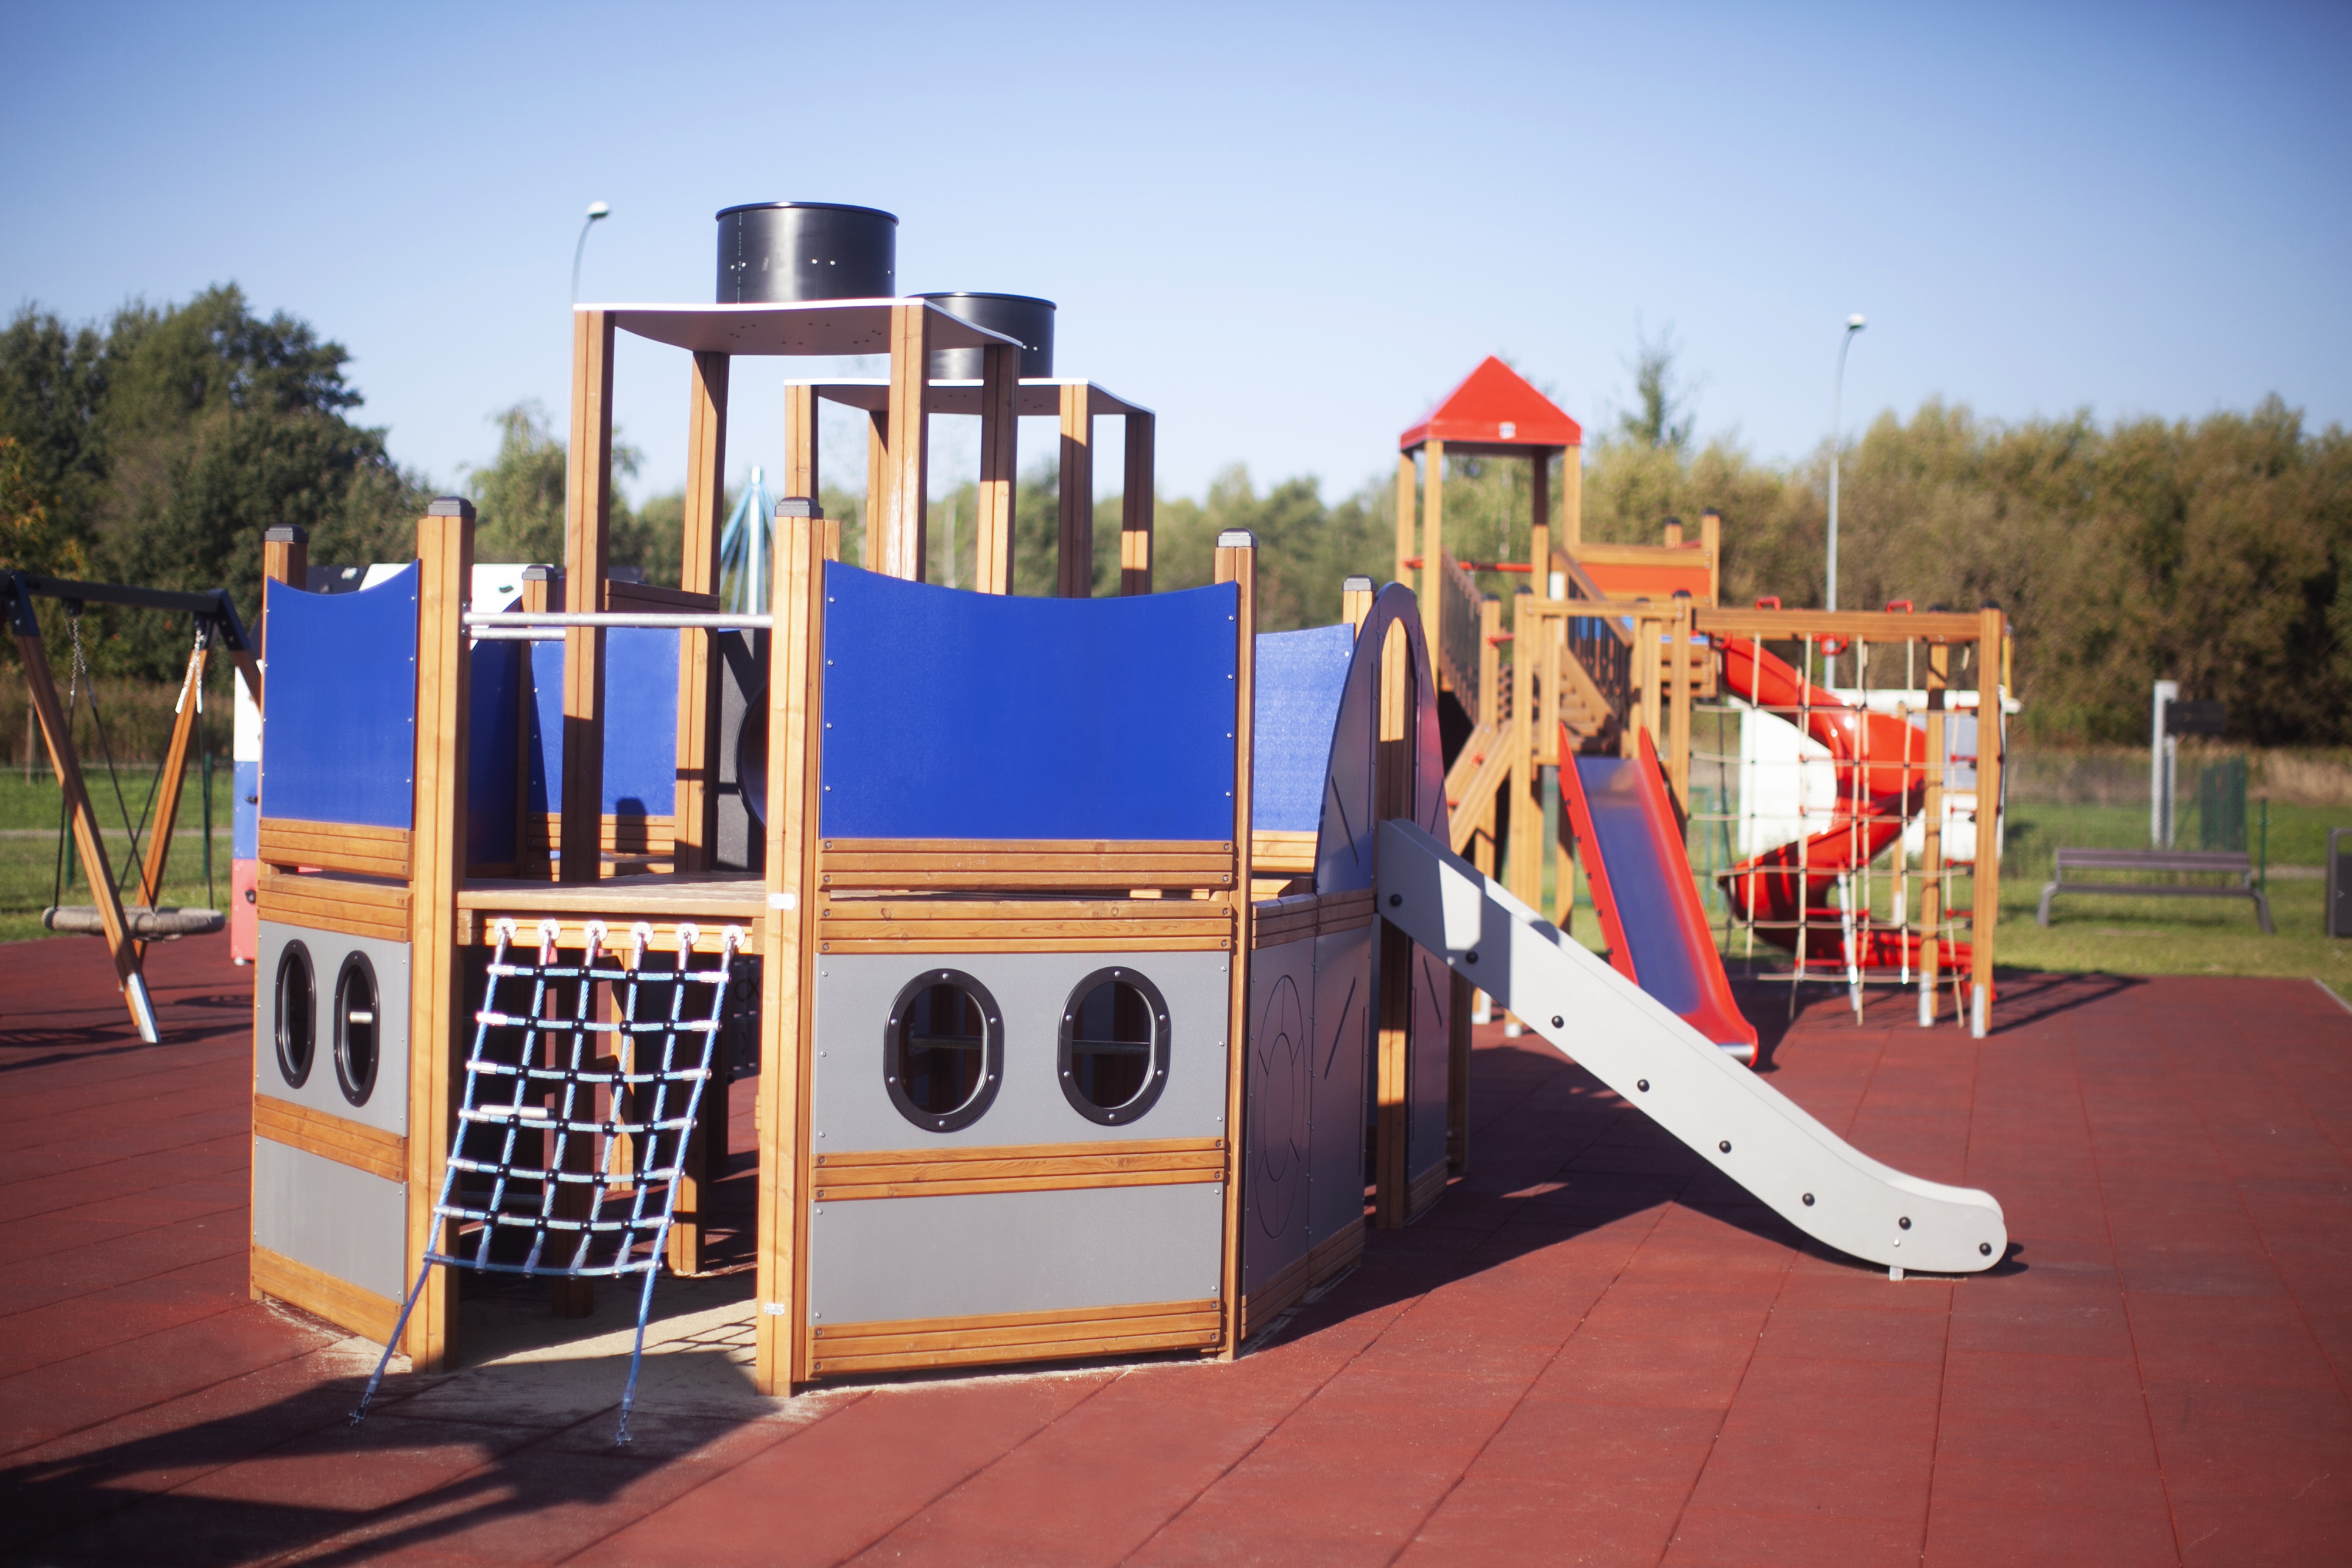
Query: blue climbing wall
{"type": "Point", "coordinates": [339, 726]}
{"type": "Point", "coordinates": [1299, 678]}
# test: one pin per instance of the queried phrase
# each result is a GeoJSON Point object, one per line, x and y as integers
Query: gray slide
{"type": "Point", "coordinates": [1635, 1045]}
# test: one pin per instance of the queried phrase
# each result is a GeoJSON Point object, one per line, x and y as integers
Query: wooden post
{"type": "Point", "coordinates": [1490, 662]}
{"type": "Point", "coordinates": [1522, 868]}
{"type": "Point", "coordinates": [1236, 563]}
{"type": "Point", "coordinates": [800, 458]}
{"type": "Point", "coordinates": [1991, 639]}
{"type": "Point", "coordinates": [87, 842]}
{"type": "Point", "coordinates": [587, 527]}
{"type": "Point", "coordinates": [1539, 521]}
{"type": "Point", "coordinates": [1000, 446]}
{"type": "Point", "coordinates": [1138, 503]}
{"type": "Point", "coordinates": [694, 819]}
{"type": "Point", "coordinates": [1710, 539]}
{"type": "Point", "coordinates": [1672, 533]}
{"type": "Point", "coordinates": [1074, 572]}
{"type": "Point", "coordinates": [787, 991]}
{"type": "Point", "coordinates": [1393, 769]}
{"type": "Point", "coordinates": [176, 767]}
{"type": "Point", "coordinates": [877, 483]}
{"type": "Point", "coordinates": [1571, 500]}
{"type": "Point", "coordinates": [1404, 517]}
{"type": "Point", "coordinates": [445, 550]}
{"type": "Point", "coordinates": [1433, 561]}
{"type": "Point", "coordinates": [907, 479]}
{"type": "Point", "coordinates": [1931, 858]}
{"type": "Point", "coordinates": [1356, 601]}
{"type": "Point", "coordinates": [285, 558]}
{"type": "Point", "coordinates": [1459, 992]}
{"type": "Point", "coordinates": [1678, 712]}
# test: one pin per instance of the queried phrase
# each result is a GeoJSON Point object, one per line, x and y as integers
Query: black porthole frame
{"type": "Point", "coordinates": [1137, 1109]}
{"type": "Point", "coordinates": [356, 963]}
{"type": "Point", "coordinates": [991, 1053]}
{"type": "Point", "coordinates": [295, 954]}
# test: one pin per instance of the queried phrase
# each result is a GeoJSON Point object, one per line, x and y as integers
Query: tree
{"type": "Point", "coordinates": [519, 502]}
{"type": "Point", "coordinates": [1654, 424]}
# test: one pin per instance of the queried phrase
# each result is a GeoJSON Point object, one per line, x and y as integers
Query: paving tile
{"type": "Point", "coordinates": [1521, 1520]}
{"type": "Point", "coordinates": [2229, 1533]}
{"type": "Point", "coordinates": [1602, 1445]}
{"type": "Point", "coordinates": [1854, 1333]}
{"type": "Point", "coordinates": [1857, 1471]}
{"type": "Point", "coordinates": [1710, 1537]}
{"type": "Point", "coordinates": [1981, 1535]}
{"type": "Point", "coordinates": [2224, 1338]}
{"type": "Point", "coordinates": [2095, 1483]}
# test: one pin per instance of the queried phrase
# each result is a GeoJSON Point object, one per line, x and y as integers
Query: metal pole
{"type": "Point", "coordinates": [596, 210]}
{"type": "Point", "coordinates": [1837, 424]}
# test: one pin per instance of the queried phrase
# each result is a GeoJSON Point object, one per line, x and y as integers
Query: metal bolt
{"type": "Point", "coordinates": [1557, 1022]}
{"type": "Point", "coordinates": [1395, 898]}
{"type": "Point", "coordinates": [1808, 1200]}
{"type": "Point", "coordinates": [1904, 1222]}
{"type": "Point", "coordinates": [1643, 1084]}
{"type": "Point", "coordinates": [1984, 1249]}
{"type": "Point", "coordinates": [1725, 1147]}
{"type": "Point", "coordinates": [1471, 957]}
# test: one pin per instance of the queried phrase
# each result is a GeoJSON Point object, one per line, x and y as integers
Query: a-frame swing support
{"type": "Point", "coordinates": [217, 618]}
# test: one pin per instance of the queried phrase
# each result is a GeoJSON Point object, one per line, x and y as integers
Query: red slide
{"type": "Point", "coordinates": [1881, 766]}
{"type": "Point", "coordinates": [1630, 842]}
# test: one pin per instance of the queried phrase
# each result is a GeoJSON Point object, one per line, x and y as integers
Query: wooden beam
{"type": "Point", "coordinates": [1139, 501]}
{"type": "Point", "coordinates": [1931, 847]}
{"type": "Point", "coordinates": [1404, 518]}
{"type": "Point", "coordinates": [167, 788]}
{"type": "Point", "coordinates": [877, 483]}
{"type": "Point", "coordinates": [1992, 636]}
{"type": "Point", "coordinates": [436, 1005]}
{"type": "Point", "coordinates": [1000, 476]}
{"type": "Point", "coordinates": [1539, 520]}
{"type": "Point", "coordinates": [1073, 572]}
{"type": "Point", "coordinates": [1851, 625]}
{"type": "Point", "coordinates": [1432, 558]}
{"type": "Point", "coordinates": [1680, 679]}
{"type": "Point", "coordinates": [693, 813]}
{"type": "Point", "coordinates": [1393, 770]}
{"type": "Point", "coordinates": [285, 558]}
{"type": "Point", "coordinates": [1571, 500]}
{"type": "Point", "coordinates": [800, 458]}
{"type": "Point", "coordinates": [587, 528]}
{"type": "Point", "coordinates": [1236, 563]}
{"type": "Point", "coordinates": [1524, 867]}
{"type": "Point", "coordinates": [1356, 601]}
{"type": "Point", "coordinates": [1710, 541]}
{"type": "Point", "coordinates": [787, 990]}
{"type": "Point", "coordinates": [89, 845]}
{"type": "Point", "coordinates": [908, 477]}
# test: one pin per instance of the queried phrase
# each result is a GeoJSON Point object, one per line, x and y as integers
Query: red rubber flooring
{"type": "Point", "coordinates": [1594, 1351]}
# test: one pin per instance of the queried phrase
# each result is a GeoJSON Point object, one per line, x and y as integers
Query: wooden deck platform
{"type": "Point", "coordinates": [1594, 1351]}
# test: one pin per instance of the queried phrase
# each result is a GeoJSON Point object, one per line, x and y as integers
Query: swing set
{"type": "Point", "coordinates": [127, 927]}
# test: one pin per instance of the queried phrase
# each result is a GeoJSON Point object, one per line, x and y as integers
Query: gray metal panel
{"type": "Point", "coordinates": [1277, 1138]}
{"type": "Point", "coordinates": [340, 1221]}
{"type": "Point", "coordinates": [387, 1103]}
{"type": "Point", "coordinates": [879, 1259]}
{"type": "Point", "coordinates": [850, 1109]}
{"type": "Point", "coordinates": [1343, 1047]}
{"type": "Point", "coordinates": [1432, 996]}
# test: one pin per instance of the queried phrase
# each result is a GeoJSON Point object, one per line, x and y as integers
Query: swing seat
{"type": "Point", "coordinates": [144, 924]}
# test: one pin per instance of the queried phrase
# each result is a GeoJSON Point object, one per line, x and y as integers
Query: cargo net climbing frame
{"type": "Point", "coordinates": [574, 1130]}
{"type": "Point", "coordinates": [1844, 834]}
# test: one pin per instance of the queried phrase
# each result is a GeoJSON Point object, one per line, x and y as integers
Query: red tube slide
{"type": "Point", "coordinates": [1880, 761]}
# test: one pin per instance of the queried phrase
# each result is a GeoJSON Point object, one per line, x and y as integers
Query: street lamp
{"type": "Point", "coordinates": [1853, 324]}
{"type": "Point", "coordinates": [597, 210]}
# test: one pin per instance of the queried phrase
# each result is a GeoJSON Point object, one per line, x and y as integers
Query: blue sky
{"type": "Point", "coordinates": [1286, 228]}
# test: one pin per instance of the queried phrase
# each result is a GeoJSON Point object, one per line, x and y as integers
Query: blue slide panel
{"type": "Point", "coordinates": [640, 722]}
{"type": "Point", "coordinates": [1300, 676]}
{"type": "Point", "coordinates": [960, 715]}
{"type": "Point", "coordinates": [339, 730]}
{"type": "Point", "coordinates": [490, 740]}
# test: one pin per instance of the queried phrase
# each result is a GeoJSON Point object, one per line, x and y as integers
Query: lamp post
{"type": "Point", "coordinates": [1853, 324]}
{"type": "Point", "coordinates": [598, 210]}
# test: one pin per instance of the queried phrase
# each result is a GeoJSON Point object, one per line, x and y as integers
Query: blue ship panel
{"type": "Point", "coordinates": [339, 729]}
{"type": "Point", "coordinates": [1299, 678]}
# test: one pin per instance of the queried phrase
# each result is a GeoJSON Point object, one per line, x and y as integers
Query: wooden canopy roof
{"type": "Point", "coordinates": [1495, 409]}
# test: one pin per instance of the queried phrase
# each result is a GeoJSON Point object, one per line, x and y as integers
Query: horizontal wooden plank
{"type": "Point", "coordinates": [1017, 1168]}
{"type": "Point", "coordinates": [335, 846]}
{"type": "Point", "coordinates": [1282, 849]}
{"type": "Point", "coordinates": [1345, 911]}
{"type": "Point", "coordinates": [836, 1349]}
{"type": "Point", "coordinates": [917, 923]}
{"type": "Point", "coordinates": [1337, 1253]}
{"type": "Point", "coordinates": [1274, 921]}
{"type": "Point", "coordinates": [339, 1301]}
{"type": "Point", "coordinates": [336, 1138]}
{"type": "Point", "coordinates": [542, 832]}
{"type": "Point", "coordinates": [739, 896]}
{"type": "Point", "coordinates": [480, 928]}
{"type": "Point", "coordinates": [328, 901]}
{"type": "Point", "coordinates": [1262, 1306]}
{"type": "Point", "coordinates": [1865, 626]}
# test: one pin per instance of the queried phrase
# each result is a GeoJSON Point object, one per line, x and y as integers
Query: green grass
{"type": "Point", "coordinates": [28, 818]}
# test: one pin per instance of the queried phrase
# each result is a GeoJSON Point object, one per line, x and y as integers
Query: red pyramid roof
{"type": "Point", "coordinates": [1494, 407]}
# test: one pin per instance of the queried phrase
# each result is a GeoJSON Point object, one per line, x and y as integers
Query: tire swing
{"type": "Point", "coordinates": [127, 927]}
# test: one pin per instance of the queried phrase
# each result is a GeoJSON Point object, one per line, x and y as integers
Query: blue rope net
{"type": "Point", "coordinates": [574, 1130]}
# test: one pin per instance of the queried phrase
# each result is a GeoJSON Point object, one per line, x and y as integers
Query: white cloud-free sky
{"type": "Point", "coordinates": [1288, 228]}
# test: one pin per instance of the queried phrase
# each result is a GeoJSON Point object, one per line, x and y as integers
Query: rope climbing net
{"type": "Point", "coordinates": [572, 1131]}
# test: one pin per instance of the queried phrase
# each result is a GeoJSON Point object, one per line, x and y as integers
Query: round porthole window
{"type": "Point", "coordinates": [943, 1050]}
{"type": "Point", "coordinates": [294, 1015]}
{"type": "Point", "coordinates": [356, 1028]}
{"type": "Point", "coordinates": [1114, 1057]}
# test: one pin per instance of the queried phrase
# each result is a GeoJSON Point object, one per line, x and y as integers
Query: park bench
{"type": "Point", "coordinates": [2239, 867]}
